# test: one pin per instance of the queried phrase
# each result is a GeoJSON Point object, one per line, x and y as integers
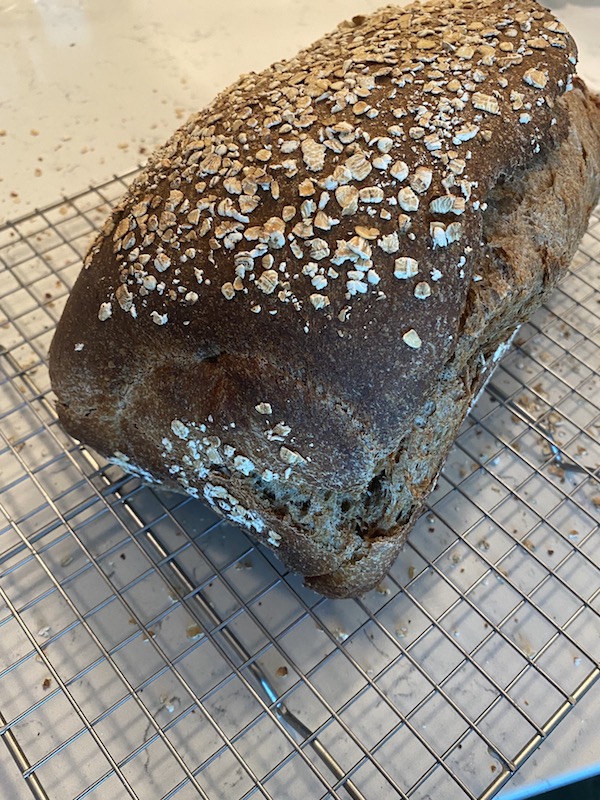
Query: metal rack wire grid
{"type": "Point", "coordinates": [149, 650]}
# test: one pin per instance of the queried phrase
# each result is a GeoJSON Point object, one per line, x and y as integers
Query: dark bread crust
{"type": "Point", "coordinates": [532, 228]}
{"type": "Point", "coordinates": [321, 420]}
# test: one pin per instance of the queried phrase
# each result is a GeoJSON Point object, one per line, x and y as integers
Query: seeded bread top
{"type": "Point", "coordinates": [315, 230]}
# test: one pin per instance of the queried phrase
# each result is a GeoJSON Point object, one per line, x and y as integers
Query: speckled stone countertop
{"type": "Point", "coordinates": [87, 89]}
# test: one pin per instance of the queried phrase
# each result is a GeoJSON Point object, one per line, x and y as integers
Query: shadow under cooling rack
{"type": "Point", "coordinates": [149, 650]}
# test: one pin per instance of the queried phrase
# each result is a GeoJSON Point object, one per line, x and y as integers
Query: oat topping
{"type": "Point", "coordinates": [420, 179]}
{"type": "Point", "coordinates": [278, 433]}
{"type": "Point", "coordinates": [485, 102]}
{"type": "Point", "coordinates": [366, 233]}
{"type": "Point", "coordinates": [274, 538]}
{"type": "Point", "coordinates": [291, 457]}
{"type": "Point", "coordinates": [405, 267]}
{"type": "Point", "coordinates": [399, 171]}
{"type": "Point", "coordinates": [105, 311]}
{"type": "Point", "coordinates": [228, 291]}
{"type": "Point", "coordinates": [180, 429]}
{"type": "Point", "coordinates": [314, 154]}
{"type": "Point", "coordinates": [536, 77]}
{"type": "Point", "coordinates": [358, 166]}
{"type": "Point", "coordinates": [159, 319]}
{"type": "Point", "coordinates": [412, 339]}
{"type": "Point", "coordinates": [319, 300]}
{"type": "Point", "coordinates": [371, 194]}
{"type": "Point", "coordinates": [347, 197]}
{"type": "Point", "coordinates": [389, 243]}
{"type": "Point", "coordinates": [124, 297]}
{"type": "Point", "coordinates": [422, 290]}
{"type": "Point", "coordinates": [244, 465]}
{"type": "Point", "coordinates": [443, 204]}
{"type": "Point", "coordinates": [407, 199]}
{"type": "Point", "coordinates": [314, 185]}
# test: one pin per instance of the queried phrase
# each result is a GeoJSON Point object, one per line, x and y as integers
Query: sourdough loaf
{"type": "Point", "coordinates": [290, 312]}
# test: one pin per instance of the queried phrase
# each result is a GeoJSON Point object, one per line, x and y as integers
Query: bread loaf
{"type": "Point", "coordinates": [292, 309]}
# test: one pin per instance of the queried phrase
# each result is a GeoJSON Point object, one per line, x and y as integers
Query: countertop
{"type": "Point", "coordinates": [87, 91]}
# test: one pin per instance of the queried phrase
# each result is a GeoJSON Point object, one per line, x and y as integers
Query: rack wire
{"type": "Point", "coordinates": [149, 650]}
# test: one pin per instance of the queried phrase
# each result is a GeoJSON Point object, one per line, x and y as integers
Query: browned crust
{"type": "Point", "coordinates": [284, 417]}
{"type": "Point", "coordinates": [532, 228]}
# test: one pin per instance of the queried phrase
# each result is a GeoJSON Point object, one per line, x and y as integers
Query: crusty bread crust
{"type": "Point", "coordinates": [532, 227]}
{"type": "Point", "coordinates": [291, 311]}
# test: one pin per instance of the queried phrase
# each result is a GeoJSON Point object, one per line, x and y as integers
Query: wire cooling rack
{"type": "Point", "coordinates": [149, 650]}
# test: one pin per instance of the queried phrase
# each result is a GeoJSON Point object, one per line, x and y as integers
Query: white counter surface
{"type": "Point", "coordinates": [88, 89]}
